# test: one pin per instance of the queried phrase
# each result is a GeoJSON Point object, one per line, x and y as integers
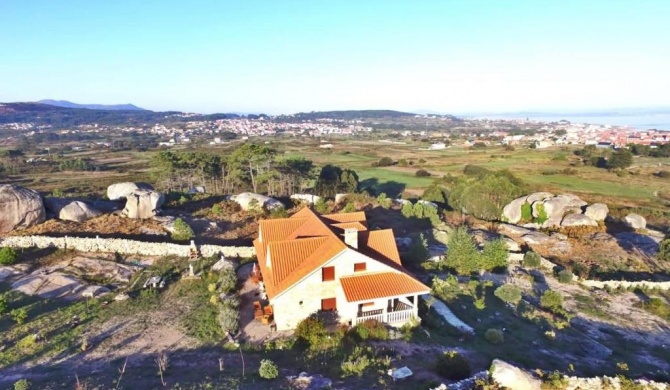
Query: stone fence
{"type": "Point", "coordinates": [123, 246]}
{"type": "Point", "coordinates": [625, 284]}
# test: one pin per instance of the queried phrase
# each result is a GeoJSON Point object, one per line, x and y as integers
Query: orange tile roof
{"type": "Point", "coordinates": [377, 243]}
{"type": "Point", "coordinates": [358, 216]}
{"type": "Point", "coordinates": [380, 285]}
{"type": "Point", "coordinates": [279, 229]}
{"type": "Point", "coordinates": [350, 225]}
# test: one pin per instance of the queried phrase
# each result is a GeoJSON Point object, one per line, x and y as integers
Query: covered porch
{"type": "Point", "coordinates": [395, 311]}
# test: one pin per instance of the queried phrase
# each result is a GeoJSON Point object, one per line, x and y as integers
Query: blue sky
{"type": "Point", "coordinates": [289, 56]}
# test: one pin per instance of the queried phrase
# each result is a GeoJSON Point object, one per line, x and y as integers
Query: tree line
{"type": "Point", "coordinates": [249, 167]}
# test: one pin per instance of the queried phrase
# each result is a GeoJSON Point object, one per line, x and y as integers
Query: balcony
{"type": "Point", "coordinates": [401, 313]}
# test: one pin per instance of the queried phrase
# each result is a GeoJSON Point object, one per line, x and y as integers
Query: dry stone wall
{"type": "Point", "coordinates": [123, 246]}
{"type": "Point", "coordinates": [625, 284]}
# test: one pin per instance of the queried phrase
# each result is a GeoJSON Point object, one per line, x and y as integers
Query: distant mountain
{"type": "Point", "coordinates": [611, 112]}
{"type": "Point", "coordinates": [352, 114]}
{"type": "Point", "coordinates": [106, 107]}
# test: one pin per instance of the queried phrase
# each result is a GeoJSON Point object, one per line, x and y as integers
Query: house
{"type": "Point", "coordinates": [332, 263]}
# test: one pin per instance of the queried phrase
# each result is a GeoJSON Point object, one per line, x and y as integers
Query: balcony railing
{"type": "Point", "coordinates": [392, 317]}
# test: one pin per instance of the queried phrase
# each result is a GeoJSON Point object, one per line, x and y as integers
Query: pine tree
{"type": "Point", "coordinates": [462, 255]}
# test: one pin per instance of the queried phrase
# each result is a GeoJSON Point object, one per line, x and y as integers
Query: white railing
{"type": "Point", "coordinates": [387, 318]}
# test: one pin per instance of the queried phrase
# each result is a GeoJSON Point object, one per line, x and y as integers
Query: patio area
{"type": "Point", "coordinates": [256, 323]}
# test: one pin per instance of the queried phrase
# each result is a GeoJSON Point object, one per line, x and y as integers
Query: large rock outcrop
{"type": "Point", "coordinates": [635, 221]}
{"type": "Point", "coordinates": [547, 210]}
{"type": "Point", "coordinates": [70, 210]}
{"type": "Point", "coordinates": [143, 204]}
{"type": "Point", "coordinates": [578, 220]}
{"type": "Point", "coordinates": [120, 191]}
{"type": "Point", "coordinates": [512, 377]}
{"type": "Point", "coordinates": [250, 201]}
{"type": "Point", "coordinates": [20, 208]}
{"type": "Point", "coordinates": [597, 211]}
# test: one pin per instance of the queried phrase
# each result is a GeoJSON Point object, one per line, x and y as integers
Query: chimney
{"type": "Point", "coordinates": [351, 237]}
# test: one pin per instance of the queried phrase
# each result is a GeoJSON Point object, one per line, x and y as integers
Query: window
{"type": "Point", "coordinates": [358, 267]}
{"type": "Point", "coordinates": [329, 304]}
{"type": "Point", "coordinates": [327, 274]}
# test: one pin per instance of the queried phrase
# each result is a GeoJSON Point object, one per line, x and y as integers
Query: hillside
{"type": "Point", "coordinates": [109, 107]}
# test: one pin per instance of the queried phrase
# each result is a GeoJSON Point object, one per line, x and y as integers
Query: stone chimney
{"type": "Point", "coordinates": [351, 237]}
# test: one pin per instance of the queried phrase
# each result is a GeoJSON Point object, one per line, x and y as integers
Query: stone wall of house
{"type": "Point", "coordinates": [123, 246]}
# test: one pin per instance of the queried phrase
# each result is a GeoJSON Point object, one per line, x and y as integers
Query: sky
{"type": "Point", "coordinates": [447, 56]}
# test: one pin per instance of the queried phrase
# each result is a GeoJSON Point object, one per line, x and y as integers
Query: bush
{"type": "Point", "coordinates": [3, 304]}
{"type": "Point", "coordinates": [227, 280]}
{"type": "Point", "coordinates": [508, 293]}
{"type": "Point", "coordinates": [452, 365]}
{"type": "Point", "coordinates": [384, 162]}
{"type": "Point", "coordinates": [526, 212]}
{"type": "Point", "coordinates": [552, 300]}
{"type": "Point", "coordinates": [19, 315]}
{"type": "Point", "coordinates": [384, 201]}
{"type": "Point", "coordinates": [422, 173]}
{"type": "Point", "coordinates": [664, 250]}
{"type": "Point", "coordinates": [407, 210]}
{"type": "Point", "coordinates": [542, 216]}
{"type": "Point", "coordinates": [312, 331]}
{"type": "Point", "coordinates": [321, 206]}
{"type": "Point", "coordinates": [182, 231]}
{"type": "Point", "coordinates": [494, 256]}
{"type": "Point", "coordinates": [217, 209]}
{"type": "Point", "coordinates": [494, 336]}
{"type": "Point", "coordinates": [8, 256]}
{"type": "Point", "coordinates": [349, 208]}
{"type": "Point", "coordinates": [268, 369]}
{"type": "Point", "coordinates": [22, 384]}
{"type": "Point", "coordinates": [229, 316]}
{"type": "Point", "coordinates": [531, 260]}
{"type": "Point", "coordinates": [356, 363]}
{"type": "Point", "coordinates": [565, 276]}
{"type": "Point", "coordinates": [371, 329]}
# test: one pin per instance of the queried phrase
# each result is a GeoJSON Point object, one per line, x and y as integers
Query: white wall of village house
{"type": "Point", "coordinates": [288, 311]}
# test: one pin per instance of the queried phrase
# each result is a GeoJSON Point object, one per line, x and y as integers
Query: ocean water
{"type": "Point", "coordinates": [640, 122]}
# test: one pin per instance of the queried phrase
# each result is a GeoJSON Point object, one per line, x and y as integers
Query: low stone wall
{"type": "Point", "coordinates": [123, 246]}
{"type": "Point", "coordinates": [622, 283]}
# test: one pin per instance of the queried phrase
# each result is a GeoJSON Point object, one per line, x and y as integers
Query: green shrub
{"type": "Point", "coordinates": [182, 231]}
{"type": "Point", "coordinates": [321, 206]}
{"type": "Point", "coordinates": [3, 304]}
{"type": "Point", "coordinates": [356, 363]}
{"type": "Point", "coordinates": [664, 250]}
{"type": "Point", "coordinates": [452, 365]}
{"type": "Point", "coordinates": [217, 209]}
{"type": "Point", "coordinates": [8, 256]}
{"type": "Point", "coordinates": [278, 212]}
{"type": "Point", "coordinates": [494, 256]}
{"type": "Point", "coordinates": [526, 212]}
{"type": "Point", "coordinates": [422, 173]}
{"type": "Point", "coordinates": [657, 306]}
{"type": "Point", "coordinates": [371, 329]}
{"type": "Point", "coordinates": [531, 260]}
{"type": "Point", "coordinates": [349, 208]}
{"type": "Point", "coordinates": [552, 300]}
{"type": "Point", "coordinates": [19, 315]}
{"type": "Point", "coordinates": [227, 280]}
{"type": "Point", "coordinates": [22, 384]}
{"type": "Point", "coordinates": [229, 315]}
{"type": "Point", "coordinates": [407, 210]}
{"type": "Point", "coordinates": [565, 276]}
{"type": "Point", "coordinates": [508, 293]}
{"type": "Point", "coordinates": [542, 216]}
{"type": "Point", "coordinates": [268, 369]}
{"type": "Point", "coordinates": [384, 201]}
{"type": "Point", "coordinates": [494, 336]}
{"type": "Point", "coordinates": [312, 331]}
